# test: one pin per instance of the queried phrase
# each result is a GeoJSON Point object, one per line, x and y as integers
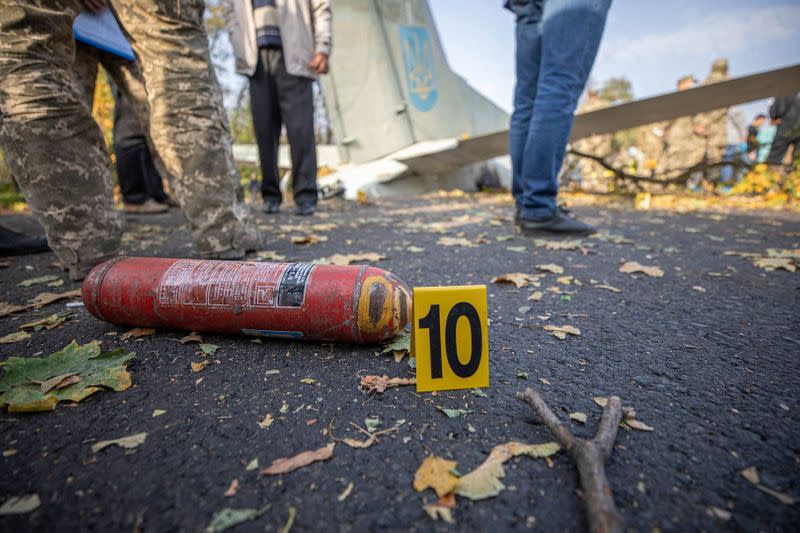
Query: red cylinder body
{"type": "Point", "coordinates": [354, 304]}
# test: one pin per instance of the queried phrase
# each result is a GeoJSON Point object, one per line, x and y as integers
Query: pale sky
{"type": "Point", "coordinates": [650, 43]}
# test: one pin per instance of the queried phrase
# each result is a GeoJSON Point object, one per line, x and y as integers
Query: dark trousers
{"type": "Point", "coordinates": [137, 175]}
{"type": "Point", "coordinates": [785, 138]}
{"type": "Point", "coordinates": [278, 98]}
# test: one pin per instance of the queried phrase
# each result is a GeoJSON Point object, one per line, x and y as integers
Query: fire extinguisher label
{"type": "Point", "coordinates": [292, 288]}
{"type": "Point", "coordinates": [227, 283]}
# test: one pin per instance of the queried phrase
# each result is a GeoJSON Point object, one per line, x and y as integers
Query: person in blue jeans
{"type": "Point", "coordinates": [557, 42]}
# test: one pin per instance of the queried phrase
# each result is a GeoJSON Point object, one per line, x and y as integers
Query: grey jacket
{"type": "Point", "coordinates": [305, 30]}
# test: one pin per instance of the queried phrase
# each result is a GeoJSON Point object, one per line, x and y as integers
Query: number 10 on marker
{"type": "Point", "coordinates": [450, 337]}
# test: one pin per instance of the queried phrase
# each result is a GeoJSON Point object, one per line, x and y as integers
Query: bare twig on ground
{"type": "Point", "coordinates": [589, 457]}
{"type": "Point", "coordinates": [681, 178]}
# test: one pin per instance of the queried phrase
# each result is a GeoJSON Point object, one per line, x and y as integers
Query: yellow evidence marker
{"type": "Point", "coordinates": [450, 337]}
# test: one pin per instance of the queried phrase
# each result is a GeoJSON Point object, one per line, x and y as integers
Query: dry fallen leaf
{"type": "Point", "coordinates": [15, 337]}
{"type": "Point", "coordinates": [308, 381]}
{"type": "Point", "coordinates": [191, 337]}
{"type": "Point", "coordinates": [632, 267]}
{"type": "Point", "coordinates": [20, 504]}
{"type": "Point", "coordinates": [484, 481]}
{"type": "Point", "coordinates": [578, 417]}
{"type": "Point", "coordinates": [608, 288]}
{"type": "Point", "coordinates": [717, 512]}
{"type": "Point", "coordinates": [436, 473]}
{"type": "Point", "coordinates": [456, 241]}
{"type": "Point", "coordinates": [519, 279]}
{"type": "Point", "coordinates": [267, 422]}
{"type": "Point", "coordinates": [381, 383]}
{"type": "Point", "coordinates": [129, 442]}
{"type": "Point", "coordinates": [439, 512]}
{"type": "Point", "coordinates": [751, 474]}
{"type": "Point", "coordinates": [308, 239]}
{"type": "Point", "coordinates": [270, 255]}
{"type": "Point", "coordinates": [345, 493]}
{"type": "Point", "coordinates": [234, 486]}
{"type": "Point", "coordinates": [775, 263]}
{"type": "Point", "coordinates": [137, 332]}
{"type": "Point", "coordinates": [8, 309]}
{"type": "Point", "coordinates": [560, 332]}
{"type": "Point", "coordinates": [550, 267]}
{"type": "Point", "coordinates": [285, 465]}
{"type": "Point", "coordinates": [46, 298]}
{"type": "Point", "coordinates": [347, 259]}
{"type": "Point", "coordinates": [636, 424]}
{"type": "Point", "coordinates": [198, 367]}
{"type": "Point", "coordinates": [536, 296]}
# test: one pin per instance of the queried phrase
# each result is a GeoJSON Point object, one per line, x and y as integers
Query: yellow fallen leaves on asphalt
{"type": "Point", "coordinates": [751, 474]}
{"type": "Point", "coordinates": [578, 417]}
{"type": "Point", "coordinates": [267, 422]}
{"type": "Point", "coordinates": [198, 367]}
{"type": "Point", "coordinates": [456, 241]}
{"type": "Point", "coordinates": [436, 473]}
{"type": "Point", "coordinates": [285, 465]}
{"type": "Point", "coordinates": [519, 279]}
{"type": "Point", "coordinates": [484, 482]}
{"type": "Point", "coordinates": [308, 239]}
{"type": "Point", "coordinates": [15, 337]}
{"type": "Point", "coordinates": [439, 512]}
{"type": "Point", "coordinates": [137, 332]}
{"type": "Point", "coordinates": [129, 442]}
{"type": "Point", "coordinates": [551, 267]}
{"type": "Point", "coordinates": [536, 296]}
{"type": "Point", "coordinates": [632, 267]}
{"type": "Point", "coordinates": [348, 259]}
{"type": "Point", "coordinates": [381, 383]}
{"type": "Point", "coordinates": [607, 288]}
{"type": "Point", "coordinates": [561, 332]}
{"type": "Point", "coordinates": [47, 298]}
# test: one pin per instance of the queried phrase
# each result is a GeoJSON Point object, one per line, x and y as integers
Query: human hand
{"type": "Point", "coordinates": [95, 6]}
{"type": "Point", "coordinates": [319, 63]}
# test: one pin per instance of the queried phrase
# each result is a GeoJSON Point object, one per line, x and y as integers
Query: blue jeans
{"type": "Point", "coordinates": [557, 42]}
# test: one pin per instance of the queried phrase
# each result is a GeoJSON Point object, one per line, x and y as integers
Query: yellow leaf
{"type": "Point", "coordinates": [578, 417]}
{"type": "Point", "coordinates": [519, 279]}
{"type": "Point", "coordinates": [198, 367]}
{"type": "Point", "coordinates": [484, 481]}
{"type": "Point", "coordinates": [550, 267]}
{"type": "Point", "coordinates": [632, 267]}
{"type": "Point", "coordinates": [560, 332]}
{"type": "Point", "coordinates": [439, 512]}
{"type": "Point", "coordinates": [536, 296]}
{"type": "Point", "coordinates": [436, 473]}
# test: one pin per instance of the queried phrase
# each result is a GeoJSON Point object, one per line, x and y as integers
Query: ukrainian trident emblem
{"type": "Point", "coordinates": [418, 62]}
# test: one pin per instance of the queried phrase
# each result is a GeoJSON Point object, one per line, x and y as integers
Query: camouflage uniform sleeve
{"type": "Point", "coordinates": [54, 147]}
{"type": "Point", "coordinates": [188, 125]}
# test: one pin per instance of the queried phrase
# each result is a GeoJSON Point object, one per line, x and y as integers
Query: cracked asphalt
{"type": "Point", "coordinates": [706, 354]}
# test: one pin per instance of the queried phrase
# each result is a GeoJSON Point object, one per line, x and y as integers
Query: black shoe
{"type": "Point", "coordinates": [270, 207]}
{"type": "Point", "coordinates": [13, 243]}
{"type": "Point", "coordinates": [305, 210]}
{"type": "Point", "coordinates": [559, 223]}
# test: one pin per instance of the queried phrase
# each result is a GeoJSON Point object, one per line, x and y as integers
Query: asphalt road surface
{"type": "Point", "coordinates": [707, 355]}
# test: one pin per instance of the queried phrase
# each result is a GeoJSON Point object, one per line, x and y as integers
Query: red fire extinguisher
{"type": "Point", "coordinates": [354, 304]}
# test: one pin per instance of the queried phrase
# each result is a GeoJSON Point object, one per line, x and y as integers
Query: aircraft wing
{"type": "Point", "coordinates": [446, 155]}
{"type": "Point", "coordinates": [727, 93]}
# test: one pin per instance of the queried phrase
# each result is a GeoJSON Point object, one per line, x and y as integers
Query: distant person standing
{"type": "Point", "coordinates": [282, 46]}
{"type": "Point", "coordinates": [713, 125]}
{"type": "Point", "coordinates": [785, 113]}
{"type": "Point", "coordinates": [752, 136]}
{"type": "Point", "coordinates": [557, 42]}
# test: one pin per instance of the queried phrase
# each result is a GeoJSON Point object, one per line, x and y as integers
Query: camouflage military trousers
{"type": "Point", "coordinates": [56, 150]}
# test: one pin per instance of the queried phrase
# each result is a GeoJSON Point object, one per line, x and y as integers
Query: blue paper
{"type": "Point", "coordinates": [102, 31]}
